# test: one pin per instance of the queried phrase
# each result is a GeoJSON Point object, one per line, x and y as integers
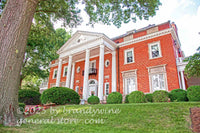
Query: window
{"type": "Point", "coordinates": [157, 78]}
{"type": "Point", "coordinates": [107, 63]}
{"type": "Point", "coordinates": [129, 58]}
{"type": "Point", "coordinates": [106, 89]}
{"type": "Point", "coordinates": [158, 82]}
{"type": "Point", "coordinates": [65, 71]}
{"type": "Point", "coordinates": [129, 81]}
{"type": "Point", "coordinates": [78, 69]}
{"type": "Point", "coordinates": [77, 89]}
{"type": "Point", "coordinates": [154, 50]}
{"type": "Point", "coordinates": [55, 73]}
{"type": "Point", "coordinates": [130, 85]}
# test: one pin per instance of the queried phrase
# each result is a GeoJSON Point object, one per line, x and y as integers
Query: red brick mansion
{"type": "Point", "coordinates": [146, 59]}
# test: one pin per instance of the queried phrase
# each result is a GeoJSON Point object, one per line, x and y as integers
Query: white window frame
{"type": "Point", "coordinates": [107, 83]}
{"type": "Point", "coordinates": [155, 73]}
{"type": "Point", "coordinates": [76, 89]}
{"type": "Point", "coordinates": [64, 71]}
{"type": "Point", "coordinates": [125, 55]}
{"type": "Point", "coordinates": [54, 73]}
{"type": "Point", "coordinates": [107, 61]}
{"type": "Point", "coordinates": [159, 48]}
{"type": "Point", "coordinates": [95, 64]}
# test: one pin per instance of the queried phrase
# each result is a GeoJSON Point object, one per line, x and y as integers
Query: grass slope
{"type": "Point", "coordinates": [139, 118]}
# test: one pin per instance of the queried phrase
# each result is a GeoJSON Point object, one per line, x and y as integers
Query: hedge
{"type": "Point", "coordinates": [149, 97]}
{"type": "Point", "coordinates": [114, 98]}
{"type": "Point", "coordinates": [136, 97]}
{"type": "Point", "coordinates": [178, 95]}
{"type": "Point", "coordinates": [160, 96]}
{"type": "Point", "coordinates": [193, 93]}
{"type": "Point", "coordinates": [60, 96]}
{"type": "Point", "coordinates": [93, 100]}
{"type": "Point", "coordinates": [29, 97]}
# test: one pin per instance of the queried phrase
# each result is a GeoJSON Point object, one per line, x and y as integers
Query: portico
{"type": "Point", "coordinates": [82, 47]}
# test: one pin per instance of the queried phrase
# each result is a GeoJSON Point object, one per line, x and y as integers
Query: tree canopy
{"type": "Point", "coordinates": [192, 69]}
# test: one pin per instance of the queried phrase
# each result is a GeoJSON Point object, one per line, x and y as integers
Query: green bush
{"type": "Point", "coordinates": [60, 95]}
{"type": "Point", "coordinates": [178, 95]}
{"type": "Point", "coordinates": [149, 97]}
{"type": "Point", "coordinates": [22, 107]}
{"type": "Point", "coordinates": [136, 97]}
{"type": "Point", "coordinates": [160, 96]}
{"type": "Point", "coordinates": [29, 97]}
{"type": "Point", "coordinates": [193, 93]}
{"type": "Point", "coordinates": [114, 97]}
{"type": "Point", "coordinates": [93, 100]}
{"type": "Point", "coordinates": [126, 99]}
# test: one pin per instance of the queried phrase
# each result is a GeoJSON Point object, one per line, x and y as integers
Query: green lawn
{"type": "Point", "coordinates": [139, 118]}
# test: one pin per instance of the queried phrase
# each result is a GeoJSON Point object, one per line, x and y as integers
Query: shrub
{"type": "Point", "coordinates": [29, 97]}
{"type": "Point", "coordinates": [136, 97]}
{"type": "Point", "coordinates": [60, 95]}
{"type": "Point", "coordinates": [22, 107]}
{"type": "Point", "coordinates": [193, 93]}
{"type": "Point", "coordinates": [178, 95]}
{"type": "Point", "coordinates": [126, 99]}
{"type": "Point", "coordinates": [114, 97]}
{"type": "Point", "coordinates": [93, 100]}
{"type": "Point", "coordinates": [160, 96]}
{"type": "Point", "coordinates": [149, 97]}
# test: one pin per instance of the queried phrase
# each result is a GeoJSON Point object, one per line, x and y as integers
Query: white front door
{"type": "Point", "coordinates": [92, 90]}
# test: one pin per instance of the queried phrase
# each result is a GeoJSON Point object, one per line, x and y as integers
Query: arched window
{"type": "Point", "coordinates": [92, 82]}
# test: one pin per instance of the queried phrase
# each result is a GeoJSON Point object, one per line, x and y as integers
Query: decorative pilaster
{"type": "Point", "coordinates": [72, 77]}
{"type": "Point", "coordinates": [101, 72]}
{"type": "Point", "coordinates": [114, 71]}
{"type": "Point", "coordinates": [59, 73]}
{"type": "Point", "coordinates": [183, 80]}
{"type": "Point", "coordinates": [86, 74]}
{"type": "Point", "coordinates": [69, 71]}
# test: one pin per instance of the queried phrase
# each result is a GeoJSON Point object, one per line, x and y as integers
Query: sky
{"type": "Point", "coordinates": [185, 14]}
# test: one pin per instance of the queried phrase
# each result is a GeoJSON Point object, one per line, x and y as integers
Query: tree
{"type": "Point", "coordinates": [43, 42]}
{"type": "Point", "coordinates": [192, 69]}
{"type": "Point", "coordinates": [16, 21]}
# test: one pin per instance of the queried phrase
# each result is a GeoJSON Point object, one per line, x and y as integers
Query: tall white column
{"type": "Point", "coordinates": [72, 77]}
{"type": "Point", "coordinates": [86, 74]}
{"type": "Point", "coordinates": [69, 71]}
{"type": "Point", "coordinates": [59, 73]}
{"type": "Point", "coordinates": [114, 71]}
{"type": "Point", "coordinates": [101, 72]}
{"type": "Point", "coordinates": [183, 80]}
{"type": "Point", "coordinates": [179, 80]}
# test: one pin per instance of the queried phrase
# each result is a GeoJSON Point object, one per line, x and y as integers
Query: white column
{"type": "Point", "coordinates": [59, 73]}
{"type": "Point", "coordinates": [72, 77]}
{"type": "Point", "coordinates": [114, 71]}
{"type": "Point", "coordinates": [183, 80]}
{"type": "Point", "coordinates": [101, 72]}
{"type": "Point", "coordinates": [69, 71]}
{"type": "Point", "coordinates": [179, 80]}
{"type": "Point", "coordinates": [86, 74]}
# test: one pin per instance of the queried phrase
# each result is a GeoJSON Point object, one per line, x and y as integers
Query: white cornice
{"type": "Point", "coordinates": [147, 37]}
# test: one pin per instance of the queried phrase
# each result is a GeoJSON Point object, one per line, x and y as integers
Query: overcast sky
{"type": "Point", "coordinates": [185, 14]}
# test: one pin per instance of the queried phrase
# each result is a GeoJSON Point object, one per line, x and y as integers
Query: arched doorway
{"type": "Point", "coordinates": [92, 87]}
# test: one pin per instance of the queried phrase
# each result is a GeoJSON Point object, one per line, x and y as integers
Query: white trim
{"type": "Point", "coordinates": [56, 69]}
{"type": "Point", "coordinates": [64, 71]}
{"type": "Point", "coordinates": [149, 36]}
{"type": "Point", "coordinates": [150, 50]}
{"type": "Point", "coordinates": [125, 56]}
{"type": "Point", "coordinates": [106, 83]}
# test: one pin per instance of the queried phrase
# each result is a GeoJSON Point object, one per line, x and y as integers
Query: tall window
{"type": "Point", "coordinates": [55, 73]}
{"type": "Point", "coordinates": [158, 78]}
{"type": "Point", "coordinates": [154, 50]}
{"type": "Point", "coordinates": [129, 58]}
{"type": "Point", "coordinates": [158, 82]}
{"type": "Point", "coordinates": [77, 89]}
{"type": "Point", "coordinates": [130, 85]}
{"type": "Point", "coordinates": [106, 89]}
{"type": "Point", "coordinates": [65, 71]}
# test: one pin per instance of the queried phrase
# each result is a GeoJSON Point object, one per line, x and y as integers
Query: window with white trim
{"type": "Point", "coordinates": [154, 50]}
{"type": "Point", "coordinates": [77, 89]}
{"type": "Point", "coordinates": [55, 72]}
{"type": "Point", "coordinates": [157, 82]}
{"type": "Point", "coordinates": [65, 71]}
{"type": "Point", "coordinates": [157, 78]}
{"type": "Point", "coordinates": [128, 56]}
{"type": "Point", "coordinates": [106, 89]}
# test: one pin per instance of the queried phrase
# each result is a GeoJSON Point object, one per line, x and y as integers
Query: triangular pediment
{"type": "Point", "coordinates": [79, 38]}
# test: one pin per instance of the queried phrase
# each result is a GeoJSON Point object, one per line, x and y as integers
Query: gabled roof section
{"type": "Point", "coordinates": [81, 37]}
